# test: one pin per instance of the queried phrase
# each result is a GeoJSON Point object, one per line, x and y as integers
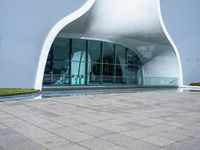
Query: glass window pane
{"type": "Point", "coordinates": [120, 55]}
{"type": "Point", "coordinates": [78, 44]}
{"type": "Point", "coordinates": [78, 50]}
{"type": "Point", "coordinates": [121, 74]}
{"type": "Point", "coordinates": [94, 51]}
{"type": "Point", "coordinates": [108, 53]}
{"type": "Point", "coordinates": [108, 70]}
{"type": "Point", "coordinates": [108, 73]}
{"type": "Point", "coordinates": [94, 73]}
{"type": "Point", "coordinates": [77, 73]}
{"type": "Point", "coordinates": [60, 49]}
{"type": "Point", "coordinates": [57, 66]}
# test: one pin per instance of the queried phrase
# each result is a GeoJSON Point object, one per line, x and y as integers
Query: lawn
{"type": "Point", "coordinates": [195, 84]}
{"type": "Point", "coordinates": [15, 91]}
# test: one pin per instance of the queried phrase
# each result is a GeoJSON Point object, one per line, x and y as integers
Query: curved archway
{"type": "Point", "coordinates": [157, 44]}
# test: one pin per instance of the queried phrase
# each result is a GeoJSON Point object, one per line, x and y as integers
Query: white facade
{"type": "Point", "coordinates": [28, 29]}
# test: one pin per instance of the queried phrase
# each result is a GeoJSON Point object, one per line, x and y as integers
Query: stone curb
{"type": "Point", "coordinates": [20, 96]}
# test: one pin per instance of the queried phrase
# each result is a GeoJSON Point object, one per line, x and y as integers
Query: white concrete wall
{"type": "Point", "coordinates": [182, 20]}
{"type": "Point", "coordinates": [24, 25]}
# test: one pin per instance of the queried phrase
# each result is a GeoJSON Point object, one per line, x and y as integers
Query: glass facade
{"type": "Point", "coordinates": [89, 62]}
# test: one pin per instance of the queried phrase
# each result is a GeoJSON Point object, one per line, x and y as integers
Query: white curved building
{"type": "Point", "coordinates": [98, 42]}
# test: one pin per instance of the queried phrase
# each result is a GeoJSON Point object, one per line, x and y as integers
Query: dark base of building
{"type": "Point", "coordinates": [69, 88]}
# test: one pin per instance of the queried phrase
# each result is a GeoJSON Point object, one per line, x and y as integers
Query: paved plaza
{"type": "Point", "coordinates": [134, 121]}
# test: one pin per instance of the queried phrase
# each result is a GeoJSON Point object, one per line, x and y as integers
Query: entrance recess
{"type": "Point", "coordinates": [89, 62]}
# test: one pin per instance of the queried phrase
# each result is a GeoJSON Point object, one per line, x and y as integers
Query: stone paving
{"type": "Point", "coordinates": [135, 121]}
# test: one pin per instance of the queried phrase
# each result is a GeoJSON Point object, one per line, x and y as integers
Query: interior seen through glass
{"type": "Point", "coordinates": [89, 62]}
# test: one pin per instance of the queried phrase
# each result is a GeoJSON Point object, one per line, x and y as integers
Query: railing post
{"type": "Point", "coordinates": [70, 59]}
{"type": "Point", "coordinates": [114, 67]}
{"type": "Point", "coordinates": [86, 62]}
{"type": "Point", "coordinates": [101, 64]}
{"type": "Point", "coordinates": [126, 58]}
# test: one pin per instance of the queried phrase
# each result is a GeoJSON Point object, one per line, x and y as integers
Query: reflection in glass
{"type": "Point", "coordinates": [89, 62]}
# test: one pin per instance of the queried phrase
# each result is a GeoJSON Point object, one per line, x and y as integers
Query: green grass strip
{"type": "Point", "coordinates": [15, 91]}
{"type": "Point", "coordinates": [195, 84]}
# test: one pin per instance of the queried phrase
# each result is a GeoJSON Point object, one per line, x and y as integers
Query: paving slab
{"type": "Point", "coordinates": [97, 144]}
{"type": "Point", "coordinates": [158, 140]}
{"type": "Point", "coordinates": [70, 147]}
{"type": "Point", "coordinates": [71, 134]}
